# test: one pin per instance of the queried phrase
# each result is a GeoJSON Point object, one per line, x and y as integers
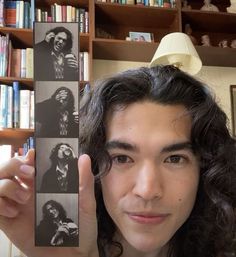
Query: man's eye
{"type": "Point", "coordinates": [175, 159]}
{"type": "Point", "coordinates": [121, 159]}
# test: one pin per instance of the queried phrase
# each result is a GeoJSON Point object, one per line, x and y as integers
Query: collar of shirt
{"type": "Point", "coordinates": [62, 172]}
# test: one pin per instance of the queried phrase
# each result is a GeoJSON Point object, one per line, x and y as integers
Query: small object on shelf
{"type": "Point", "coordinates": [206, 40]}
{"type": "Point", "coordinates": [185, 5]}
{"type": "Point", "coordinates": [232, 8]}
{"type": "Point", "coordinates": [140, 36]}
{"type": "Point", "coordinates": [233, 43]}
{"type": "Point", "coordinates": [188, 31]}
{"type": "Point", "coordinates": [101, 33]}
{"type": "Point", "coordinates": [208, 6]}
{"type": "Point", "coordinates": [167, 4]}
{"type": "Point", "coordinates": [223, 43]}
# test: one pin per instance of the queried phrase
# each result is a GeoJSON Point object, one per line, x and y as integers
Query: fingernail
{"type": "Point", "coordinates": [22, 195]}
{"type": "Point", "coordinates": [26, 170]}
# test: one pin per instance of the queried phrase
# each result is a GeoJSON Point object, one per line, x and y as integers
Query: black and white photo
{"type": "Point", "coordinates": [56, 47]}
{"type": "Point", "coordinates": [56, 109]}
{"type": "Point", "coordinates": [56, 165]}
{"type": "Point", "coordinates": [56, 220]}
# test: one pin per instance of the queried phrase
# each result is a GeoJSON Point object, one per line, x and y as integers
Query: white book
{"type": "Point", "coordinates": [5, 249]}
{"type": "Point", "coordinates": [29, 63]}
{"type": "Point", "coordinates": [31, 110]}
{"type": "Point", "coordinates": [23, 63]}
{"type": "Point", "coordinates": [10, 107]}
{"type": "Point", "coordinates": [3, 105]}
{"type": "Point", "coordinates": [21, 15]}
{"type": "Point", "coordinates": [68, 13]}
{"type": "Point", "coordinates": [86, 66]}
{"type": "Point", "coordinates": [25, 109]}
{"type": "Point", "coordinates": [58, 13]}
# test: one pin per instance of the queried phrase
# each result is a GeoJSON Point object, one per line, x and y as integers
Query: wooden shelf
{"type": "Point", "coordinates": [226, 57]}
{"type": "Point", "coordinates": [210, 21]}
{"type": "Point", "coordinates": [24, 81]}
{"type": "Point", "coordinates": [23, 36]}
{"type": "Point", "coordinates": [15, 137]}
{"type": "Point", "coordinates": [135, 15]}
{"type": "Point", "coordinates": [111, 49]}
{"type": "Point", "coordinates": [84, 42]}
{"type": "Point", "coordinates": [80, 3]}
{"type": "Point", "coordinates": [143, 52]}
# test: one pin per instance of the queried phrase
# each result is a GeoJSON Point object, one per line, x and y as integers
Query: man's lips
{"type": "Point", "coordinates": [147, 218]}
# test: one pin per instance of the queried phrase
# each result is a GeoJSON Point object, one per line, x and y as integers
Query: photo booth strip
{"type": "Point", "coordinates": [56, 81]}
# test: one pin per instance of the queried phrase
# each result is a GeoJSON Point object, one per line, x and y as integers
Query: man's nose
{"type": "Point", "coordinates": [149, 182]}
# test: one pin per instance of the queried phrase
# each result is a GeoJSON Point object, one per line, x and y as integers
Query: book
{"type": "Point", "coordinates": [16, 104]}
{"type": "Point", "coordinates": [24, 109]}
{"type": "Point", "coordinates": [2, 23]}
{"type": "Point", "coordinates": [29, 63]}
{"type": "Point", "coordinates": [32, 13]}
{"type": "Point", "coordinates": [10, 107]}
{"type": "Point", "coordinates": [23, 63]}
{"type": "Point", "coordinates": [10, 13]}
{"type": "Point", "coordinates": [15, 68]}
{"type": "Point", "coordinates": [3, 105]}
{"type": "Point", "coordinates": [31, 123]}
{"type": "Point", "coordinates": [86, 66]}
{"type": "Point", "coordinates": [26, 16]}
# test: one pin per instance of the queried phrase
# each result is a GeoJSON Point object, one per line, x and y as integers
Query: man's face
{"type": "Point", "coordinates": [151, 187]}
{"type": "Point", "coordinates": [52, 211]}
{"type": "Point", "coordinates": [59, 41]}
{"type": "Point", "coordinates": [62, 151]}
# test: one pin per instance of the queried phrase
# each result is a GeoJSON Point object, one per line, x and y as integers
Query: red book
{"type": "Point", "coordinates": [15, 68]}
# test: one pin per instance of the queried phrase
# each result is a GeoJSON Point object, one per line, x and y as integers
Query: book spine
{"type": "Point", "coordinates": [32, 13]}
{"type": "Point", "coordinates": [26, 15]}
{"type": "Point", "coordinates": [24, 109]}
{"type": "Point", "coordinates": [2, 23]}
{"type": "Point", "coordinates": [86, 66]}
{"type": "Point", "coordinates": [10, 107]}
{"type": "Point", "coordinates": [23, 63]}
{"type": "Point", "coordinates": [3, 103]}
{"type": "Point", "coordinates": [29, 62]}
{"type": "Point", "coordinates": [10, 13]}
{"type": "Point", "coordinates": [31, 125]}
{"type": "Point", "coordinates": [16, 104]}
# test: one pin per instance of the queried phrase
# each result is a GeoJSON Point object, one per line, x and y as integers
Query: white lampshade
{"type": "Point", "coordinates": [177, 49]}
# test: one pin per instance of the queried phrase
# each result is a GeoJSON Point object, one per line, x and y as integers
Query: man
{"type": "Point", "coordinates": [164, 163]}
{"type": "Point", "coordinates": [55, 229]}
{"type": "Point", "coordinates": [56, 116]}
{"type": "Point", "coordinates": [62, 176]}
{"type": "Point", "coordinates": [53, 57]}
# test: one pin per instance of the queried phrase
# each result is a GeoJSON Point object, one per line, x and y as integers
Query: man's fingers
{"type": "Point", "coordinates": [18, 166]}
{"type": "Point", "coordinates": [9, 189]}
{"type": "Point", "coordinates": [7, 208]}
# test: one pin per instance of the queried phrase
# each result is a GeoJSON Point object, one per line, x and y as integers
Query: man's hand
{"type": "Point", "coordinates": [17, 209]}
{"type": "Point", "coordinates": [71, 61]}
{"type": "Point", "coordinates": [49, 36]}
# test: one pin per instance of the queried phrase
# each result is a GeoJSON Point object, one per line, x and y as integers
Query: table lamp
{"type": "Point", "coordinates": [177, 49]}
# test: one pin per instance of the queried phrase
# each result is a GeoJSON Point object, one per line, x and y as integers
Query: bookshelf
{"type": "Point", "coordinates": [118, 20]}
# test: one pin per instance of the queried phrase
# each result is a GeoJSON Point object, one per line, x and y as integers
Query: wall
{"type": "Point", "coordinates": [218, 78]}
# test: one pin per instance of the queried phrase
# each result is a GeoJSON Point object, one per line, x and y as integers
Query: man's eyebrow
{"type": "Point", "coordinates": [178, 146]}
{"type": "Point", "coordinates": [116, 144]}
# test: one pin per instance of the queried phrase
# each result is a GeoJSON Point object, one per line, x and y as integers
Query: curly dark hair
{"type": "Point", "coordinates": [71, 100]}
{"type": "Point", "coordinates": [54, 153]}
{"type": "Point", "coordinates": [210, 229]}
{"type": "Point", "coordinates": [69, 42]}
{"type": "Point", "coordinates": [57, 206]}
